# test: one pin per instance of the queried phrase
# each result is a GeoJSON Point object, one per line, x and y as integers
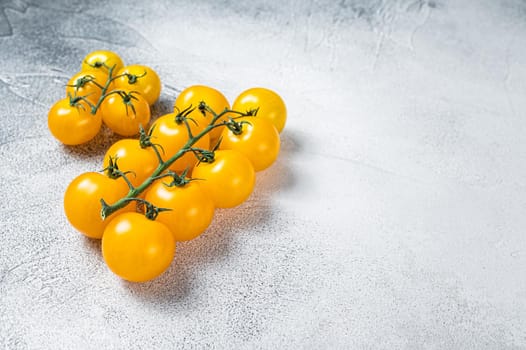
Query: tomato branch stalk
{"type": "Point", "coordinates": [104, 88]}
{"type": "Point", "coordinates": [202, 155]}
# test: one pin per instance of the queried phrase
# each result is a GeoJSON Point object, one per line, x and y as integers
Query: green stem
{"type": "Point", "coordinates": [157, 153]}
{"type": "Point", "coordinates": [107, 210]}
{"type": "Point", "coordinates": [104, 89]}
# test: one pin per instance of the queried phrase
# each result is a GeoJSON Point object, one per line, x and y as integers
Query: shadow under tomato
{"type": "Point", "coordinates": [162, 106]}
{"type": "Point", "coordinates": [215, 243]}
{"type": "Point", "coordinates": [280, 175]}
{"type": "Point", "coordinates": [173, 285]}
{"type": "Point", "coordinates": [94, 148]}
{"type": "Point", "coordinates": [94, 245]}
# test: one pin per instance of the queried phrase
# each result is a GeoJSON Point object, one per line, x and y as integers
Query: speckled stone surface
{"type": "Point", "coordinates": [394, 217]}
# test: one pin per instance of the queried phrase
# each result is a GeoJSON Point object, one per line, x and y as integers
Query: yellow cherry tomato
{"type": "Point", "coordinates": [102, 60]}
{"type": "Point", "coordinates": [229, 179]}
{"type": "Point", "coordinates": [82, 201]}
{"type": "Point", "coordinates": [139, 78]}
{"type": "Point", "coordinates": [257, 139]}
{"type": "Point", "coordinates": [125, 113]}
{"type": "Point", "coordinates": [268, 104]}
{"type": "Point", "coordinates": [137, 249]}
{"type": "Point", "coordinates": [172, 136]}
{"type": "Point", "coordinates": [131, 157]}
{"type": "Point", "coordinates": [192, 208]}
{"type": "Point", "coordinates": [73, 123]}
{"type": "Point", "coordinates": [192, 96]}
{"type": "Point", "coordinates": [88, 84]}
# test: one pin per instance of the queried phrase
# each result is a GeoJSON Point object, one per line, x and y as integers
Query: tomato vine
{"type": "Point", "coordinates": [209, 151]}
{"type": "Point", "coordinates": [202, 154]}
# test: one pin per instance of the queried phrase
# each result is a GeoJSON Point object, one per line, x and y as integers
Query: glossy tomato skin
{"type": "Point", "coordinates": [82, 201]}
{"type": "Point", "coordinates": [192, 208]}
{"type": "Point", "coordinates": [137, 249]}
{"type": "Point", "coordinates": [172, 136]}
{"type": "Point", "coordinates": [102, 60]}
{"type": "Point", "coordinates": [258, 141]}
{"type": "Point", "coordinates": [73, 125]}
{"type": "Point", "coordinates": [121, 118]}
{"type": "Point", "coordinates": [84, 83]}
{"type": "Point", "coordinates": [229, 179]}
{"type": "Point", "coordinates": [270, 104]}
{"type": "Point", "coordinates": [131, 157]}
{"type": "Point", "coordinates": [192, 96]}
{"type": "Point", "coordinates": [140, 78]}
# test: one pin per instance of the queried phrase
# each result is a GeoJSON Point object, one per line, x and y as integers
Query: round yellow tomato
{"type": "Point", "coordinates": [229, 179]}
{"type": "Point", "coordinates": [139, 78]}
{"type": "Point", "coordinates": [192, 96]}
{"type": "Point", "coordinates": [88, 84]}
{"type": "Point", "coordinates": [82, 201]}
{"type": "Point", "coordinates": [172, 136]}
{"type": "Point", "coordinates": [268, 104]}
{"type": "Point", "coordinates": [192, 209]}
{"type": "Point", "coordinates": [131, 157]}
{"type": "Point", "coordinates": [137, 249]}
{"type": "Point", "coordinates": [258, 140]}
{"type": "Point", "coordinates": [125, 112]}
{"type": "Point", "coordinates": [73, 123]}
{"type": "Point", "coordinates": [102, 60]}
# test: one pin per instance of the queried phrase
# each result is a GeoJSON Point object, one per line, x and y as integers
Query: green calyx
{"type": "Point", "coordinates": [132, 78]}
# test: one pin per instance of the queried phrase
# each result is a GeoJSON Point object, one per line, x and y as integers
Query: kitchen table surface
{"type": "Point", "coordinates": [394, 217]}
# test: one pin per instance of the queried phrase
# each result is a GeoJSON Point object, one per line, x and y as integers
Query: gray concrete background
{"type": "Point", "coordinates": [393, 219]}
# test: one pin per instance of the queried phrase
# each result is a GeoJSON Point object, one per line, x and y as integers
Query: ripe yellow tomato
{"type": "Point", "coordinates": [229, 179]}
{"type": "Point", "coordinates": [102, 60]}
{"type": "Point", "coordinates": [137, 249]}
{"type": "Point", "coordinates": [258, 141]}
{"type": "Point", "coordinates": [82, 201]}
{"type": "Point", "coordinates": [172, 136]}
{"type": "Point", "coordinates": [88, 84]}
{"type": "Point", "coordinates": [139, 78]}
{"type": "Point", "coordinates": [192, 96]}
{"type": "Point", "coordinates": [73, 124]}
{"type": "Point", "coordinates": [124, 114]}
{"type": "Point", "coordinates": [131, 157]}
{"type": "Point", "coordinates": [192, 208]}
{"type": "Point", "coordinates": [270, 104]}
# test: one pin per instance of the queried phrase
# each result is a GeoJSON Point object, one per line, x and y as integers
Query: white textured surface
{"type": "Point", "coordinates": [393, 219]}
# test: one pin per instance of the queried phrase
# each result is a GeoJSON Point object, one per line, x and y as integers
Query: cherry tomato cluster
{"type": "Point", "coordinates": [104, 91]}
{"type": "Point", "coordinates": [164, 186]}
